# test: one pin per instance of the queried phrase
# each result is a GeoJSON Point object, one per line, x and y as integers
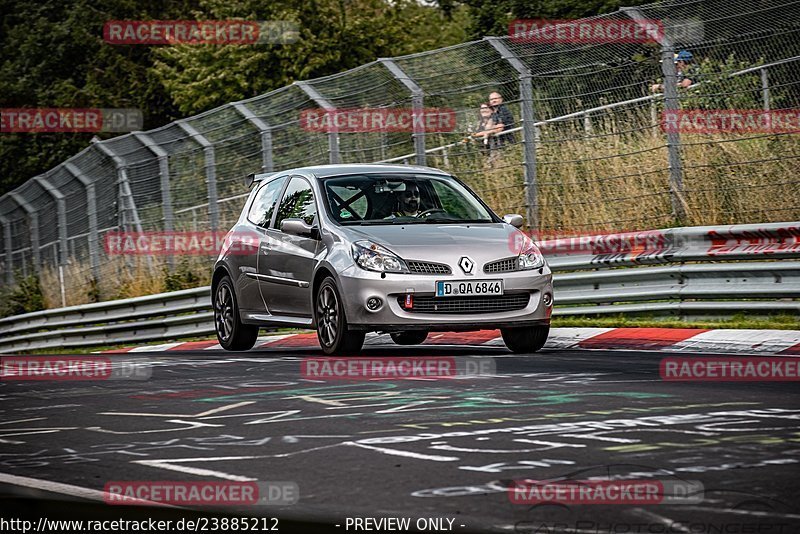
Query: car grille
{"type": "Point", "coordinates": [496, 303]}
{"type": "Point", "coordinates": [506, 265]}
{"type": "Point", "coordinates": [426, 267]}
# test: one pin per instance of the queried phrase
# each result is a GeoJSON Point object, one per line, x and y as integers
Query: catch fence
{"type": "Point", "coordinates": [587, 152]}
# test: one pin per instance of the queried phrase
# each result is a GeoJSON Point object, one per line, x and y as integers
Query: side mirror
{"type": "Point", "coordinates": [513, 219]}
{"type": "Point", "coordinates": [298, 227]}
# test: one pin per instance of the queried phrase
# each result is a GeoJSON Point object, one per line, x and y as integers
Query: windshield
{"type": "Point", "coordinates": [377, 199]}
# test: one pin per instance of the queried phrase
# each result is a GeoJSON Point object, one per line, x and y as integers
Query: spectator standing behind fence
{"type": "Point", "coordinates": [683, 70]}
{"type": "Point", "coordinates": [485, 129]}
{"type": "Point", "coordinates": [503, 119]}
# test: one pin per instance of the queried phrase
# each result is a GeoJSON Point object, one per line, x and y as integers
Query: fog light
{"type": "Point", "coordinates": [373, 303]}
{"type": "Point", "coordinates": [547, 299]}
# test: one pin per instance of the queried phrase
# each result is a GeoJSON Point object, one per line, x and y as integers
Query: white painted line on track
{"type": "Point", "coordinates": [66, 489]}
{"type": "Point", "coordinates": [406, 454]}
{"type": "Point", "coordinates": [166, 464]}
{"type": "Point", "coordinates": [155, 348]}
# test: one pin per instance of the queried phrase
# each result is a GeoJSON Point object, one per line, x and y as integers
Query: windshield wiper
{"type": "Point", "coordinates": [450, 220]}
{"type": "Point", "coordinates": [376, 222]}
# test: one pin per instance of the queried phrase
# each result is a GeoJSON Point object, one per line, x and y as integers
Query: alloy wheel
{"type": "Point", "coordinates": [223, 312]}
{"type": "Point", "coordinates": [328, 315]}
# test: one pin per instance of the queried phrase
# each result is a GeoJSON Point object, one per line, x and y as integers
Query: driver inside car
{"type": "Point", "coordinates": [408, 202]}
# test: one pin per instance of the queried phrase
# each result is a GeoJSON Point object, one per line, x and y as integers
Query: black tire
{"type": "Point", "coordinates": [525, 339]}
{"type": "Point", "coordinates": [332, 332]}
{"type": "Point", "coordinates": [231, 332]}
{"type": "Point", "coordinates": [409, 337]}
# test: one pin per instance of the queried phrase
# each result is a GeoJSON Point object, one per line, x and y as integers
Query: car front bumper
{"type": "Point", "coordinates": [358, 286]}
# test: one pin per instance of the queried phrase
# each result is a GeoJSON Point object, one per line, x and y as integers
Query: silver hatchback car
{"type": "Point", "coordinates": [349, 249]}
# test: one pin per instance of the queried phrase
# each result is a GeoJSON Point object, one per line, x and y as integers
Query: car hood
{"type": "Point", "coordinates": [442, 242]}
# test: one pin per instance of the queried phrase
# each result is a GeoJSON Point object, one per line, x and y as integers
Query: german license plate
{"type": "Point", "coordinates": [468, 288]}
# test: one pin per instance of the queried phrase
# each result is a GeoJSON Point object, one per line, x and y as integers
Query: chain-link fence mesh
{"type": "Point", "coordinates": [586, 152]}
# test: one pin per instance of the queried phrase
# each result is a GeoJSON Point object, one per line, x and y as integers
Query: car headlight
{"type": "Point", "coordinates": [373, 257]}
{"type": "Point", "coordinates": [530, 257]}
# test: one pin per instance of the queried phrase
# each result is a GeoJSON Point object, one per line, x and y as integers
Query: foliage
{"type": "Point", "coordinates": [25, 297]}
{"type": "Point", "coordinates": [334, 36]}
{"type": "Point", "coordinates": [54, 56]}
{"type": "Point", "coordinates": [492, 17]}
{"type": "Point", "coordinates": [183, 276]}
{"type": "Point", "coordinates": [717, 89]}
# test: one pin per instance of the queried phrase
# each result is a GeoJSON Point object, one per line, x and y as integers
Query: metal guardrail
{"type": "Point", "coordinates": [162, 316]}
{"type": "Point", "coordinates": [716, 271]}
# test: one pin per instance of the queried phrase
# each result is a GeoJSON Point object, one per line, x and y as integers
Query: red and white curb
{"type": "Point", "coordinates": [721, 341]}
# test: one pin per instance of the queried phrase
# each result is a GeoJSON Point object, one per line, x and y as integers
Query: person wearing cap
{"type": "Point", "coordinates": [682, 61]}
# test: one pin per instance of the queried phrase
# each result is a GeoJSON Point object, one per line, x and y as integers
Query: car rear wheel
{"type": "Point", "coordinates": [409, 337]}
{"type": "Point", "coordinates": [525, 339]}
{"type": "Point", "coordinates": [332, 332]}
{"type": "Point", "coordinates": [231, 332]}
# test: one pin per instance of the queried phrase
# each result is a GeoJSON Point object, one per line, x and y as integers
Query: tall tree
{"type": "Point", "coordinates": [53, 55]}
{"type": "Point", "coordinates": [492, 17]}
{"type": "Point", "coordinates": [334, 35]}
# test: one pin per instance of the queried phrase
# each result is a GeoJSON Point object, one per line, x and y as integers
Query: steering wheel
{"type": "Point", "coordinates": [431, 212]}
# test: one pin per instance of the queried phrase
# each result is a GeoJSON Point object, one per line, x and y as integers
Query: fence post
{"type": "Point", "coordinates": [528, 128]}
{"type": "Point", "coordinates": [765, 88]}
{"type": "Point", "coordinates": [267, 164]}
{"type": "Point", "coordinates": [61, 210]}
{"type": "Point", "coordinates": [417, 105]}
{"type": "Point", "coordinates": [33, 223]}
{"type": "Point", "coordinates": [166, 194]}
{"type": "Point", "coordinates": [211, 170]}
{"type": "Point", "coordinates": [91, 209]}
{"type": "Point", "coordinates": [125, 192]}
{"type": "Point", "coordinates": [9, 252]}
{"type": "Point", "coordinates": [333, 135]}
{"type": "Point", "coordinates": [671, 104]}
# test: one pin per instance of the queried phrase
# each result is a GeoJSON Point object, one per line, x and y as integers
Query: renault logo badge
{"type": "Point", "coordinates": [466, 264]}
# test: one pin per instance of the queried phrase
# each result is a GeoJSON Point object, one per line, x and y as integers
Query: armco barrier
{"type": "Point", "coordinates": [707, 270]}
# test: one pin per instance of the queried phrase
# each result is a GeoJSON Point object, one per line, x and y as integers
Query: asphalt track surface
{"type": "Point", "coordinates": [423, 448]}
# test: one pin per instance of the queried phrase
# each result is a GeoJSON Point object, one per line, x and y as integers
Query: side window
{"type": "Point", "coordinates": [264, 204]}
{"type": "Point", "coordinates": [297, 202]}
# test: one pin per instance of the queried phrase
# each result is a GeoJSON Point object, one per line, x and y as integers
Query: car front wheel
{"type": "Point", "coordinates": [231, 332]}
{"type": "Point", "coordinates": [525, 339]}
{"type": "Point", "coordinates": [332, 332]}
